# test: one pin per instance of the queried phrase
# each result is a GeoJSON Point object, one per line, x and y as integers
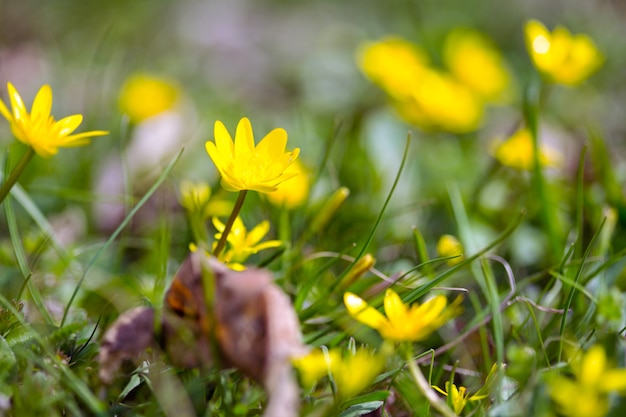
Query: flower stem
{"type": "Point", "coordinates": [15, 174]}
{"type": "Point", "coordinates": [229, 224]}
{"type": "Point", "coordinates": [425, 389]}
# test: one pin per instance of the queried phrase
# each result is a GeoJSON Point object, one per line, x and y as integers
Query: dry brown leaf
{"type": "Point", "coordinates": [252, 319]}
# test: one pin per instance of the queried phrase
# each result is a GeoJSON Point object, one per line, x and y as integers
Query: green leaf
{"type": "Point", "coordinates": [361, 409]}
{"type": "Point", "coordinates": [369, 397]}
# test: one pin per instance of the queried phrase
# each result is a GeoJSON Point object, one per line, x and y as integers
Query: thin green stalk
{"type": "Point", "coordinates": [15, 174]}
{"type": "Point", "coordinates": [570, 297]}
{"type": "Point", "coordinates": [370, 237]}
{"type": "Point", "coordinates": [416, 293]}
{"type": "Point", "coordinates": [547, 207]}
{"type": "Point", "coordinates": [221, 244]}
{"type": "Point", "coordinates": [580, 201]}
{"type": "Point", "coordinates": [16, 242]}
{"type": "Point", "coordinates": [494, 305]}
{"type": "Point", "coordinates": [538, 328]}
{"type": "Point", "coordinates": [424, 386]}
{"type": "Point", "coordinates": [387, 200]}
{"type": "Point", "coordinates": [20, 256]}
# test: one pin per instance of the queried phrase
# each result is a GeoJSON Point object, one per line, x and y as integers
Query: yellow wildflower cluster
{"type": "Point", "coordinates": [560, 56]}
{"type": "Point", "coordinates": [434, 99]}
{"type": "Point", "coordinates": [586, 394]}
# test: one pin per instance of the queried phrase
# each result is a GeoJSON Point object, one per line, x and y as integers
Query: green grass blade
{"type": "Point", "coordinates": [419, 292]}
{"type": "Point", "coordinates": [119, 229]}
{"type": "Point", "coordinates": [570, 297]}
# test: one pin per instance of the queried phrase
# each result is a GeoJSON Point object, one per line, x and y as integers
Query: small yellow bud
{"type": "Point", "coordinates": [358, 270]}
{"type": "Point", "coordinates": [449, 245]}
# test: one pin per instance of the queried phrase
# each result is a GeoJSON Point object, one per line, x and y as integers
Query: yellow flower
{"type": "Point", "coordinates": [351, 373]}
{"type": "Point", "coordinates": [403, 322]}
{"type": "Point", "coordinates": [143, 96]}
{"type": "Point", "coordinates": [449, 245]}
{"type": "Point", "coordinates": [244, 166]}
{"type": "Point", "coordinates": [196, 197]}
{"type": "Point", "coordinates": [585, 395]}
{"type": "Point", "coordinates": [517, 152]}
{"type": "Point", "coordinates": [473, 60]}
{"type": "Point", "coordinates": [294, 191]}
{"type": "Point", "coordinates": [438, 101]}
{"type": "Point", "coordinates": [430, 98]}
{"type": "Point", "coordinates": [458, 397]}
{"type": "Point", "coordinates": [564, 58]}
{"type": "Point", "coordinates": [393, 63]}
{"type": "Point", "coordinates": [574, 401]}
{"type": "Point", "coordinates": [241, 243]}
{"type": "Point", "coordinates": [38, 129]}
{"type": "Point", "coordinates": [592, 370]}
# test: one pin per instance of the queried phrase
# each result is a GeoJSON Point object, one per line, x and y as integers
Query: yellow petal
{"type": "Point", "coordinates": [592, 366]}
{"type": "Point", "coordinates": [273, 144]}
{"type": "Point", "coordinates": [244, 138]}
{"type": "Point", "coordinates": [430, 310]}
{"type": "Point", "coordinates": [42, 105]}
{"type": "Point", "coordinates": [257, 233]}
{"type": "Point", "coordinates": [69, 124]}
{"type": "Point", "coordinates": [395, 309]}
{"type": "Point", "coordinates": [537, 37]}
{"type": "Point", "coordinates": [219, 226]}
{"type": "Point", "coordinates": [5, 112]}
{"type": "Point", "coordinates": [19, 110]}
{"type": "Point", "coordinates": [216, 157]}
{"type": "Point", "coordinates": [613, 380]}
{"type": "Point", "coordinates": [439, 390]}
{"type": "Point", "coordinates": [362, 312]}
{"type": "Point", "coordinates": [223, 141]}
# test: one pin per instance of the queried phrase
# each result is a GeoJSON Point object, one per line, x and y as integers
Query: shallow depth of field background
{"type": "Point", "coordinates": [292, 65]}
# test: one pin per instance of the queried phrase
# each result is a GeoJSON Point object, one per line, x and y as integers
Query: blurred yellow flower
{"type": "Point", "coordinates": [458, 397]}
{"type": "Point", "coordinates": [38, 129]}
{"type": "Point", "coordinates": [293, 192]}
{"type": "Point", "coordinates": [241, 243]}
{"type": "Point", "coordinates": [475, 62]}
{"type": "Point", "coordinates": [440, 102]}
{"type": "Point", "coordinates": [196, 197]}
{"type": "Point", "coordinates": [244, 166]}
{"type": "Point", "coordinates": [403, 322]}
{"type": "Point", "coordinates": [393, 63]}
{"type": "Point", "coordinates": [517, 152]}
{"type": "Point", "coordinates": [351, 373]}
{"type": "Point", "coordinates": [449, 245]}
{"type": "Point", "coordinates": [427, 97]}
{"type": "Point", "coordinates": [585, 395]}
{"type": "Point", "coordinates": [562, 57]}
{"type": "Point", "coordinates": [143, 96]}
